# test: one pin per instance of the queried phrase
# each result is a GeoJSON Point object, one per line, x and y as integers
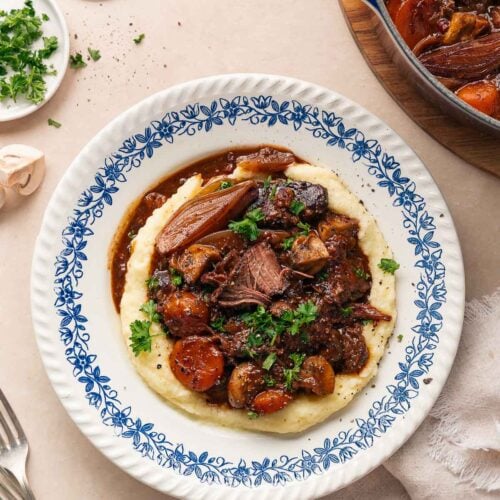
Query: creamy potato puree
{"type": "Point", "coordinates": [305, 410]}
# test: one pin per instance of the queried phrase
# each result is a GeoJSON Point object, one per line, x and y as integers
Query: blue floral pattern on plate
{"type": "Point", "coordinates": [430, 291]}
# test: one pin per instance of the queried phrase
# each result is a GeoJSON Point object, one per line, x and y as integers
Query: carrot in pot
{"type": "Point", "coordinates": [482, 95]}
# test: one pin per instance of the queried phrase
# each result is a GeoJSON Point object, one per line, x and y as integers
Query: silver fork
{"type": "Point", "coordinates": [13, 447]}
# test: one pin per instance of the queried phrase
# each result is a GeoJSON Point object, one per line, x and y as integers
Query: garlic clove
{"type": "Point", "coordinates": [21, 168]}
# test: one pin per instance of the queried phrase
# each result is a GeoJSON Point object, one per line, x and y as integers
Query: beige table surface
{"type": "Point", "coordinates": [187, 39]}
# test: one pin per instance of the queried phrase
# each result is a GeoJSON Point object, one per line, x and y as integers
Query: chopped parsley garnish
{"type": "Point", "coordinates": [22, 67]}
{"type": "Point", "coordinates": [291, 374]}
{"type": "Point", "coordinates": [322, 275]}
{"type": "Point", "coordinates": [225, 185]}
{"type": "Point", "coordinates": [139, 38]}
{"type": "Point", "coordinates": [76, 61]}
{"type": "Point", "coordinates": [176, 277]}
{"type": "Point", "coordinates": [152, 283]}
{"type": "Point", "coordinates": [388, 266]}
{"type": "Point", "coordinates": [150, 310]}
{"type": "Point", "coordinates": [304, 314]}
{"type": "Point", "coordinates": [360, 273]}
{"type": "Point", "coordinates": [45, 17]}
{"type": "Point", "coordinates": [269, 361]}
{"type": "Point", "coordinates": [305, 228]}
{"type": "Point", "coordinates": [53, 123]}
{"type": "Point", "coordinates": [141, 335]}
{"type": "Point", "coordinates": [94, 54]}
{"type": "Point", "coordinates": [269, 381]}
{"type": "Point", "coordinates": [346, 311]}
{"type": "Point", "coordinates": [252, 415]}
{"type": "Point", "coordinates": [287, 243]}
{"type": "Point", "coordinates": [296, 207]}
{"type": "Point", "coordinates": [218, 324]}
{"type": "Point", "coordinates": [273, 192]}
{"type": "Point", "coordinates": [400, 338]}
{"type": "Point", "coordinates": [140, 338]}
{"type": "Point", "coordinates": [247, 227]}
{"type": "Point", "coordinates": [267, 183]}
{"type": "Point", "coordinates": [264, 327]}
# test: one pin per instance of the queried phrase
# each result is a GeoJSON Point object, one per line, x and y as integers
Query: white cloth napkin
{"type": "Point", "coordinates": [456, 451]}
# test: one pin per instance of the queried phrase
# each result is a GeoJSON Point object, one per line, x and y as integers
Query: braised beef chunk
{"type": "Point", "coordinates": [281, 304]}
{"type": "Point", "coordinates": [286, 203]}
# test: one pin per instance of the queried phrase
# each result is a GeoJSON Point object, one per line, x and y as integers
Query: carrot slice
{"type": "Point", "coordinates": [482, 95]}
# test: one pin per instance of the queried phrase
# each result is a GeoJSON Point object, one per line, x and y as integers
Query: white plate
{"type": "Point", "coordinates": [78, 329]}
{"type": "Point", "coordinates": [55, 26]}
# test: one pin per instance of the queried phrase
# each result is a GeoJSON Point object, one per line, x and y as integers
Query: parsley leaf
{"type": "Point", "coordinates": [267, 183]}
{"type": "Point", "coordinates": [94, 54]}
{"type": "Point", "coordinates": [139, 38]}
{"type": "Point", "coordinates": [152, 283]}
{"type": "Point", "coordinates": [45, 17]}
{"type": "Point", "coordinates": [360, 273]}
{"type": "Point", "coordinates": [291, 374]}
{"type": "Point", "coordinates": [287, 243]}
{"type": "Point", "coordinates": [225, 185]}
{"type": "Point", "coordinates": [247, 227]}
{"type": "Point", "coordinates": [305, 228]}
{"type": "Point", "coordinates": [304, 314]}
{"type": "Point", "coordinates": [269, 361]}
{"type": "Point", "coordinates": [176, 277]}
{"type": "Point", "coordinates": [296, 207]}
{"type": "Point", "coordinates": [149, 309]}
{"type": "Point", "coordinates": [140, 338]}
{"type": "Point", "coordinates": [400, 338]}
{"type": "Point", "coordinates": [218, 324]}
{"type": "Point", "coordinates": [389, 266]}
{"type": "Point", "coordinates": [346, 311]}
{"type": "Point", "coordinates": [76, 61]}
{"type": "Point", "coordinates": [53, 123]}
{"type": "Point", "coordinates": [269, 381]}
{"type": "Point", "coordinates": [252, 415]}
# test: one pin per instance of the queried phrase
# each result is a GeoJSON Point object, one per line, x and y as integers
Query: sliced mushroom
{"type": "Point", "coordinates": [309, 254]}
{"type": "Point", "coordinates": [317, 376]}
{"type": "Point", "coordinates": [193, 261]}
{"type": "Point", "coordinates": [245, 382]}
{"type": "Point", "coordinates": [336, 224]}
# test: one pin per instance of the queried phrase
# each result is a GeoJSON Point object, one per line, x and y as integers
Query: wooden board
{"type": "Point", "coordinates": [478, 148]}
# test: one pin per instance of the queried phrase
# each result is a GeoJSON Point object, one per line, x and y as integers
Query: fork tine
{"type": "Point", "coordinates": [11, 440]}
{"type": "Point", "coordinates": [13, 419]}
{"type": "Point", "coordinates": [8, 487]}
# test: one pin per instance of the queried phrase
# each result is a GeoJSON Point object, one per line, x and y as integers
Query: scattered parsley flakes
{"type": "Point", "coordinates": [400, 338]}
{"type": "Point", "coordinates": [94, 54]}
{"type": "Point", "coordinates": [389, 266]}
{"type": "Point", "coordinates": [152, 283]}
{"type": "Point", "coordinates": [225, 185]}
{"type": "Point", "coordinates": [176, 277]}
{"type": "Point", "coordinates": [360, 273]}
{"type": "Point", "coordinates": [53, 123]}
{"type": "Point", "coordinates": [291, 374]}
{"type": "Point", "coordinates": [76, 61]}
{"type": "Point", "coordinates": [304, 227]}
{"type": "Point", "coordinates": [252, 415]}
{"type": "Point", "coordinates": [304, 314]}
{"type": "Point", "coordinates": [139, 38]}
{"type": "Point", "coordinates": [346, 311]}
{"type": "Point", "coordinates": [45, 17]}
{"type": "Point", "coordinates": [269, 361]}
{"type": "Point", "coordinates": [22, 67]}
{"type": "Point", "coordinates": [287, 243]}
{"type": "Point", "coordinates": [218, 324]}
{"type": "Point", "coordinates": [296, 207]}
{"type": "Point", "coordinates": [269, 381]}
{"type": "Point", "coordinates": [267, 182]}
{"type": "Point", "coordinates": [247, 227]}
